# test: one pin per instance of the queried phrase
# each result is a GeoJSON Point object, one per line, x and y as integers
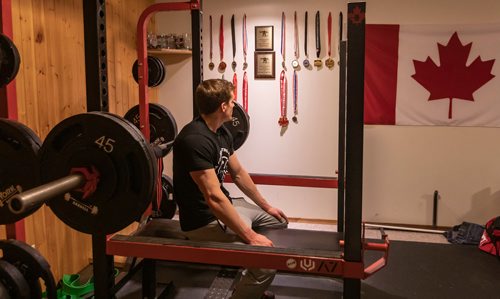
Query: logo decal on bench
{"type": "Point", "coordinates": [307, 264]}
{"type": "Point", "coordinates": [291, 263]}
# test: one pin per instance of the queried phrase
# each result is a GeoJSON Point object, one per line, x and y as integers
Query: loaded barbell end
{"type": "Point", "coordinates": [29, 199]}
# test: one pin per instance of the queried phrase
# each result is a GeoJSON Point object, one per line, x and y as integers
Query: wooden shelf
{"type": "Point", "coordinates": [169, 52]}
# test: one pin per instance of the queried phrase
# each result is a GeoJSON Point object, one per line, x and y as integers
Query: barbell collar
{"type": "Point", "coordinates": [37, 196]}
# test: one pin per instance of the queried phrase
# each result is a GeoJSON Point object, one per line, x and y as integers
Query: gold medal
{"type": "Point", "coordinates": [211, 65]}
{"type": "Point", "coordinates": [318, 63]}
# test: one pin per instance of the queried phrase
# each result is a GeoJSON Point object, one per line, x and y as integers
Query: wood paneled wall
{"type": "Point", "coordinates": [50, 88]}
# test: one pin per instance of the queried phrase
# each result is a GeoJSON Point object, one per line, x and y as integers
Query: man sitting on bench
{"type": "Point", "coordinates": [202, 154]}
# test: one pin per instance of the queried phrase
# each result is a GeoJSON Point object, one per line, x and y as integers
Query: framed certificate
{"type": "Point", "coordinates": [264, 37]}
{"type": "Point", "coordinates": [264, 65]}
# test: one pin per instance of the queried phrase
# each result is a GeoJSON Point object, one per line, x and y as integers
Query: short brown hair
{"type": "Point", "coordinates": [211, 93]}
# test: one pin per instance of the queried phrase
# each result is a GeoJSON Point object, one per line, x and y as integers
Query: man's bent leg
{"type": "Point", "coordinates": [257, 216]}
{"type": "Point", "coordinates": [253, 282]}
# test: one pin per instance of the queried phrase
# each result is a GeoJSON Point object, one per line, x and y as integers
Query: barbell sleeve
{"type": "Point", "coordinates": [25, 201]}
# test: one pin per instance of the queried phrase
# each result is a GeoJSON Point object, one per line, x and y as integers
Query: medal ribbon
{"type": "Point", "coordinates": [329, 34]}
{"type": "Point", "coordinates": [245, 39]}
{"type": "Point", "coordinates": [221, 37]}
{"type": "Point", "coordinates": [283, 121]}
{"type": "Point", "coordinates": [295, 93]}
{"type": "Point", "coordinates": [233, 39]}
{"type": "Point", "coordinates": [305, 34]}
{"type": "Point", "coordinates": [318, 37]}
{"type": "Point", "coordinates": [245, 92]}
{"type": "Point", "coordinates": [211, 46]}
{"type": "Point", "coordinates": [235, 85]}
{"type": "Point", "coordinates": [296, 35]}
{"type": "Point", "coordinates": [283, 40]}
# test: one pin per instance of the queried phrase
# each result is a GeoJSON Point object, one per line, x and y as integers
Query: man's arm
{"type": "Point", "coordinates": [223, 209]}
{"type": "Point", "coordinates": [244, 182]}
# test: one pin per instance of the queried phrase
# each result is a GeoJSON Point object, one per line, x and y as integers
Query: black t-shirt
{"type": "Point", "coordinates": [198, 148]}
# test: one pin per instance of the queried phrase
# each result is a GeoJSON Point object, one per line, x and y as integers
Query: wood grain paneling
{"type": "Point", "coordinates": [50, 88]}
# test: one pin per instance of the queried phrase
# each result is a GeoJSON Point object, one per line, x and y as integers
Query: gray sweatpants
{"type": "Point", "coordinates": [253, 281]}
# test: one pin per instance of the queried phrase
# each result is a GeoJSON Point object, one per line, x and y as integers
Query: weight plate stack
{"type": "Point", "coordinates": [162, 124]}
{"type": "Point", "coordinates": [32, 265]}
{"type": "Point", "coordinates": [156, 71]}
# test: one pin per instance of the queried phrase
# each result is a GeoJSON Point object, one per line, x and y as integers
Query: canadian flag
{"type": "Point", "coordinates": [432, 75]}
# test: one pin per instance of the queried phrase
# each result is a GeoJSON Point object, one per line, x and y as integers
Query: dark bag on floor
{"type": "Point", "coordinates": [490, 241]}
{"type": "Point", "coordinates": [465, 233]}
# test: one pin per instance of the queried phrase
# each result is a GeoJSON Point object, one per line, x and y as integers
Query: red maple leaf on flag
{"type": "Point", "coordinates": [453, 79]}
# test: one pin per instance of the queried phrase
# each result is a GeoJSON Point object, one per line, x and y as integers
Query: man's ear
{"type": "Point", "coordinates": [223, 106]}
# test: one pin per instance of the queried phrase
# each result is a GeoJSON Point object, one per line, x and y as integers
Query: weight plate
{"type": "Point", "coordinates": [239, 126]}
{"type": "Point", "coordinates": [154, 71]}
{"type": "Point", "coordinates": [162, 124]}
{"type": "Point", "coordinates": [168, 207]}
{"type": "Point", "coordinates": [32, 265]}
{"type": "Point", "coordinates": [19, 170]}
{"type": "Point", "coordinates": [12, 279]}
{"type": "Point", "coordinates": [119, 154]}
{"type": "Point", "coordinates": [9, 60]}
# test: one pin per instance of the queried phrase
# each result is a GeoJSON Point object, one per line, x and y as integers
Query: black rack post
{"type": "Point", "coordinates": [96, 75]}
{"type": "Point", "coordinates": [354, 141]}
{"type": "Point", "coordinates": [103, 268]}
{"type": "Point", "coordinates": [197, 50]}
{"type": "Point", "coordinates": [341, 147]}
{"type": "Point", "coordinates": [96, 66]}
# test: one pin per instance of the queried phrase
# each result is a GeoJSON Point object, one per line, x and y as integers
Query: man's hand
{"type": "Point", "coordinates": [278, 214]}
{"type": "Point", "coordinates": [260, 240]}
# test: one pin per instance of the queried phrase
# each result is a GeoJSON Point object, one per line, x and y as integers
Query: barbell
{"type": "Point", "coordinates": [97, 171]}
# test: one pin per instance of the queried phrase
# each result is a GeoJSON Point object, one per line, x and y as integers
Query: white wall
{"type": "Point", "coordinates": [403, 165]}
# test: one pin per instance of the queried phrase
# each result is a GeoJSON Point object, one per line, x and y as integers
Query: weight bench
{"type": "Point", "coordinates": [303, 251]}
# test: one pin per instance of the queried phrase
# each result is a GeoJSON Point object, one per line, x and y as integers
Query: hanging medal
{"type": "Point", "coordinates": [295, 62]}
{"type": "Point", "coordinates": [283, 40]}
{"type": "Point", "coordinates": [283, 121]}
{"type": "Point", "coordinates": [233, 40]}
{"type": "Point", "coordinates": [245, 42]}
{"type": "Point", "coordinates": [317, 61]}
{"type": "Point", "coordinates": [222, 64]}
{"type": "Point", "coordinates": [245, 92]}
{"type": "Point", "coordinates": [211, 65]}
{"type": "Point", "coordinates": [295, 97]}
{"type": "Point", "coordinates": [306, 60]}
{"type": "Point", "coordinates": [329, 62]}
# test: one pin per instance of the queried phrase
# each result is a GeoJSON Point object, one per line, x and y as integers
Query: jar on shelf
{"type": "Point", "coordinates": [170, 41]}
{"type": "Point", "coordinates": [152, 41]}
{"type": "Point", "coordinates": [162, 41]}
{"type": "Point", "coordinates": [187, 41]}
